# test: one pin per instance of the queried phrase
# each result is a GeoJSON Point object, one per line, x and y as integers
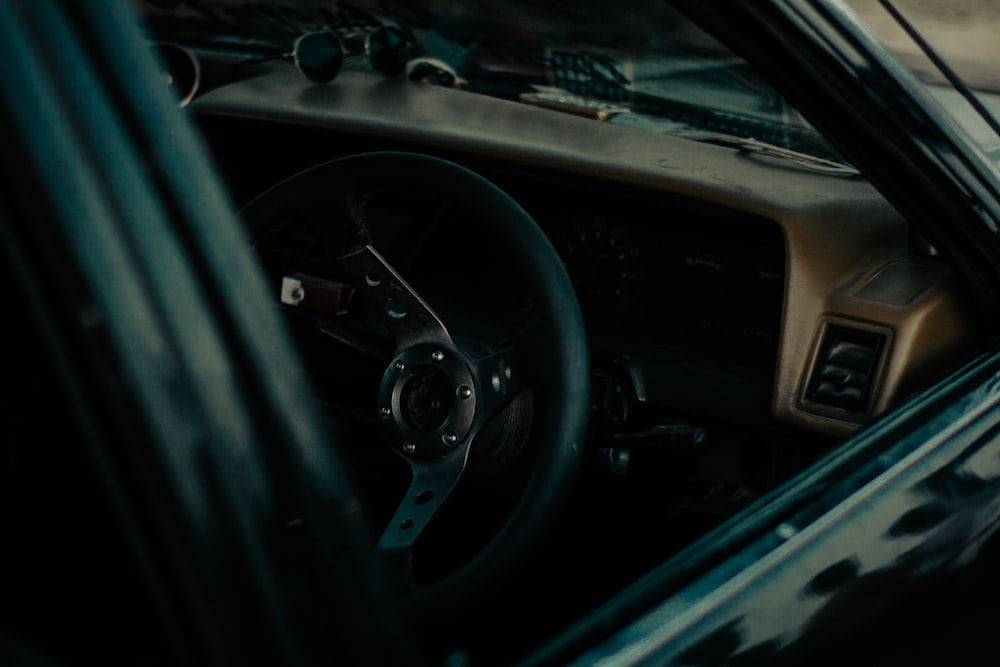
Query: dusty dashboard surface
{"type": "Point", "coordinates": [713, 280]}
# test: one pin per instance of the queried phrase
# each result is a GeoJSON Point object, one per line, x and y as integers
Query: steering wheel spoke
{"type": "Point", "coordinates": [432, 484]}
{"type": "Point", "coordinates": [498, 381]}
{"type": "Point", "coordinates": [410, 319]}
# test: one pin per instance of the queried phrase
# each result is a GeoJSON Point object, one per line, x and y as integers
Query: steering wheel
{"type": "Point", "coordinates": [440, 398]}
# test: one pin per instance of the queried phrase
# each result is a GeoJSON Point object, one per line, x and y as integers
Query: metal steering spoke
{"type": "Point", "coordinates": [497, 379]}
{"type": "Point", "coordinates": [410, 319]}
{"type": "Point", "coordinates": [433, 482]}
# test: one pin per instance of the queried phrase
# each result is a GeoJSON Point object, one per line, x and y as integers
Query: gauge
{"type": "Point", "coordinates": [602, 259]}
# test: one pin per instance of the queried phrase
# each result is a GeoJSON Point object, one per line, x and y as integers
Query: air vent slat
{"type": "Point", "coordinates": [845, 368]}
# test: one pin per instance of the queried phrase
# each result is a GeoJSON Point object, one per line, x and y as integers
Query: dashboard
{"type": "Point", "coordinates": [716, 282]}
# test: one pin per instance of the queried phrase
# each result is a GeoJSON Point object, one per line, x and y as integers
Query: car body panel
{"type": "Point", "coordinates": [919, 509]}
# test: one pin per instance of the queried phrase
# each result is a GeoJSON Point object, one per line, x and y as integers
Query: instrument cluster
{"type": "Point", "coordinates": [712, 284]}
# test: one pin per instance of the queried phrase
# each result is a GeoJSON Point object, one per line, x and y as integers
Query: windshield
{"type": "Point", "coordinates": [647, 68]}
{"type": "Point", "coordinates": [964, 36]}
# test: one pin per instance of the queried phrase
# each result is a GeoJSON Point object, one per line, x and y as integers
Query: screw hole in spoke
{"type": "Point", "coordinates": [396, 309]}
{"type": "Point", "coordinates": [423, 497]}
{"type": "Point", "coordinates": [373, 279]}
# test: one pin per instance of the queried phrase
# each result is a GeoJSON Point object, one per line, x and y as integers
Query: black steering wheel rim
{"type": "Point", "coordinates": [324, 197]}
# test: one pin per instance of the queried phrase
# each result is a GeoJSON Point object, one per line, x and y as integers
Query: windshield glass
{"type": "Point", "coordinates": [964, 35]}
{"type": "Point", "coordinates": [647, 68]}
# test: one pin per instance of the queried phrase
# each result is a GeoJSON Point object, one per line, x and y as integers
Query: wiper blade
{"type": "Point", "coordinates": [757, 147]}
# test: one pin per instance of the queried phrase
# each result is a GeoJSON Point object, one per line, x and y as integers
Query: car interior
{"type": "Point", "coordinates": [743, 315]}
{"type": "Point", "coordinates": [745, 312]}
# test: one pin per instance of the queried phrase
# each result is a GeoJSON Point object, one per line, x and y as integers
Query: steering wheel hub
{"type": "Point", "coordinates": [427, 401]}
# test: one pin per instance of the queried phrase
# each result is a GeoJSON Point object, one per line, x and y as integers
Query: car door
{"type": "Point", "coordinates": [136, 305]}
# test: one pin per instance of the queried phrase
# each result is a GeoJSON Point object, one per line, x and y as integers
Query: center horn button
{"type": "Point", "coordinates": [427, 402]}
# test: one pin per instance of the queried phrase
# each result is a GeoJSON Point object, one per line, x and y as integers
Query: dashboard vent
{"type": "Point", "coordinates": [845, 368]}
